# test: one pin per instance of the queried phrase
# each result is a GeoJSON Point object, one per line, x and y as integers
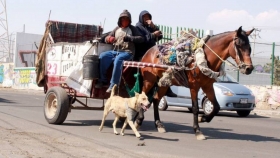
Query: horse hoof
{"type": "Point", "coordinates": [200, 119]}
{"type": "Point", "coordinates": [200, 136]}
{"type": "Point", "coordinates": [116, 133]}
{"type": "Point", "coordinates": [161, 130]}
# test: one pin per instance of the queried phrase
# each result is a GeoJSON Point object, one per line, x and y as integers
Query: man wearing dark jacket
{"type": "Point", "coordinates": [151, 34]}
{"type": "Point", "coordinates": [124, 36]}
{"type": "Point", "coordinates": [149, 31]}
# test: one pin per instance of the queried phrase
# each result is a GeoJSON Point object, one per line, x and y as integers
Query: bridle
{"type": "Point", "coordinates": [241, 64]}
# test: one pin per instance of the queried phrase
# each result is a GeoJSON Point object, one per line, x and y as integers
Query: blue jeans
{"type": "Point", "coordinates": [106, 59]}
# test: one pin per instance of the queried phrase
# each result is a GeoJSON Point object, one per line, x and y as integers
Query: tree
{"type": "Point", "coordinates": [276, 73]}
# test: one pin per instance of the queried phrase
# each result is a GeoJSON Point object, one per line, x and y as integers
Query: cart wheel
{"type": "Point", "coordinates": [56, 105]}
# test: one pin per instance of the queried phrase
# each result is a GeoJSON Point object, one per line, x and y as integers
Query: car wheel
{"type": "Point", "coordinates": [190, 109]}
{"type": "Point", "coordinates": [162, 104]}
{"type": "Point", "coordinates": [243, 113]}
{"type": "Point", "coordinates": [208, 107]}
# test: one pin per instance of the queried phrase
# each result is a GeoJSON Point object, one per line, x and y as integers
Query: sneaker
{"type": "Point", "coordinates": [100, 85]}
{"type": "Point", "coordinates": [109, 90]}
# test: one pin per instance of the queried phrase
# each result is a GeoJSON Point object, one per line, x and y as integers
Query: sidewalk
{"type": "Point", "coordinates": [267, 113]}
{"type": "Point", "coordinates": [23, 90]}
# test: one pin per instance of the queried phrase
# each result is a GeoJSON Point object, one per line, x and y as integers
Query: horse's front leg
{"type": "Point", "coordinates": [199, 135]}
{"type": "Point", "coordinates": [147, 86]}
{"type": "Point", "coordinates": [159, 125]}
{"type": "Point", "coordinates": [209, 91]}
{"type": "Point", "coordinates": [160, 93]}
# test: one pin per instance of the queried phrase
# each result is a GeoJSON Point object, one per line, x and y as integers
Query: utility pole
{"type": "Point", "coordinates": [254, 36]}
{"type": "Point", "coordinates": [4, 32]}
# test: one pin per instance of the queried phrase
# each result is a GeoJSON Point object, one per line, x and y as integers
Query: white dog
{"type": "Point", "coordinates": [125, 107]}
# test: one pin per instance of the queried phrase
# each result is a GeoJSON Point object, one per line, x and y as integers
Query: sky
{"type": "Point", "coordinates": [217, 15]}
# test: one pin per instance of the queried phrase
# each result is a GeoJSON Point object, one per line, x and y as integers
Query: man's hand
{"type": "Point", "coordinates": [150, 23]}
{"type": "Point", "coordinates": [157, 33]}
{"type": "Point", "coordinates": [110, 39]}
{"type": "Point", "coordinates": [127, 39]}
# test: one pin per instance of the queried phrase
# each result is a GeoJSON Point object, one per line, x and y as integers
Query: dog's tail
{"type": "Point", "coordinates": [113, 90]}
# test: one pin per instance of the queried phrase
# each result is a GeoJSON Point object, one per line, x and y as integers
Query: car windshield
{"type": "Point", "coordinates": [227, 78]}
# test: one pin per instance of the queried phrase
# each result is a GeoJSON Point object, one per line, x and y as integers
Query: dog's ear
{"type": "Point", "coordinates": [143, 92]}
{"type": "Point", "coordinates": [136, 94]}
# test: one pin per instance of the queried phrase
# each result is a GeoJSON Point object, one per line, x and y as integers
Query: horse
{"type": "Point", "coordinates": [217, 49]}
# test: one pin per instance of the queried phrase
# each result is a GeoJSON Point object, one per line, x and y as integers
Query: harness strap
{"type": "Point", "coordinates": [130, 113]}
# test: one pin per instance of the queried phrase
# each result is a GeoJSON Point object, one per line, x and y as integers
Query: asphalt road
{"type": "Point", "coordinates": [24, 132]}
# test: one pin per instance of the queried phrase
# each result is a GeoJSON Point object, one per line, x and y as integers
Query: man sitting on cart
{"type": "Point", "coordinates": [123, 38]}
{"type": "Point", "coordinates": [152, 34]}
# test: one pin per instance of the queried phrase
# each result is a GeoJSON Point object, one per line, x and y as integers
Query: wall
{"type": "Point", "coordinates": [18, 78]}
{"type": "Point", "coordinates": [25, 78]}
{"type": "Point", "coordinates": [6, 74]}
{"type": "Point", "coordinates": [25, 49]}
{"type": "Point", "coordinates": [20, 73]}
{"type": "Point", "coordinates": [267, 97]}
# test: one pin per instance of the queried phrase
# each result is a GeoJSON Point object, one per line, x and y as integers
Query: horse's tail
{"type": "Point", "coordinates": [113, 90]}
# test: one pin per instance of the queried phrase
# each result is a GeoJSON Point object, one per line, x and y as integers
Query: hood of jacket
{"type": "Point", "coordinates": [123, 14]}
{"type": "Point", "coordinates": [141, 16]}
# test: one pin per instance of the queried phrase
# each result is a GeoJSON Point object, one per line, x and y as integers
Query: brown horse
{"type": "Point", "coordinates": [233, 44]}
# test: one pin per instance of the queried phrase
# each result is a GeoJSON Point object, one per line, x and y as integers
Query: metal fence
{"type": "Point", "coordinates": [257, 77]}
{"type": "Point", "coordinates": [263, 61]}
{"type": "Point", "coordinates": [168, 35]}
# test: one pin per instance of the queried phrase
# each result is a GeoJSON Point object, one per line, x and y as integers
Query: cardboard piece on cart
{"type": "Point", "coordinates": [76, 81]}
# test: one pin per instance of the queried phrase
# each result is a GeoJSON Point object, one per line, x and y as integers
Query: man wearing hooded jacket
{"type": "Point", "coordinates": [149, 31]}
{"type": "Point", "coordinates": [151, 34]}
{"type": "Point", "coordinates": [123, 38]}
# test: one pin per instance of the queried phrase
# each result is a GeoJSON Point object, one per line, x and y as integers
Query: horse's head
{"type": "Point", "coordinates": [242, 50]}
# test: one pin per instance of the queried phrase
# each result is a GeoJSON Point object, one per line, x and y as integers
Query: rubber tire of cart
{"type": "Point", "coordinates": [62, 105]}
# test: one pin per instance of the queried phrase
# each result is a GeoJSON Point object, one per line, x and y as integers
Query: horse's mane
{"type": "Point", "coordinates": [243, 37]}
{"type": "Point", "coordinates": [220, 34]}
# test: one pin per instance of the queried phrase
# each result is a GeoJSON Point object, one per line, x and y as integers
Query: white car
{"type": "Point", "coordinates": [230, 95]}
